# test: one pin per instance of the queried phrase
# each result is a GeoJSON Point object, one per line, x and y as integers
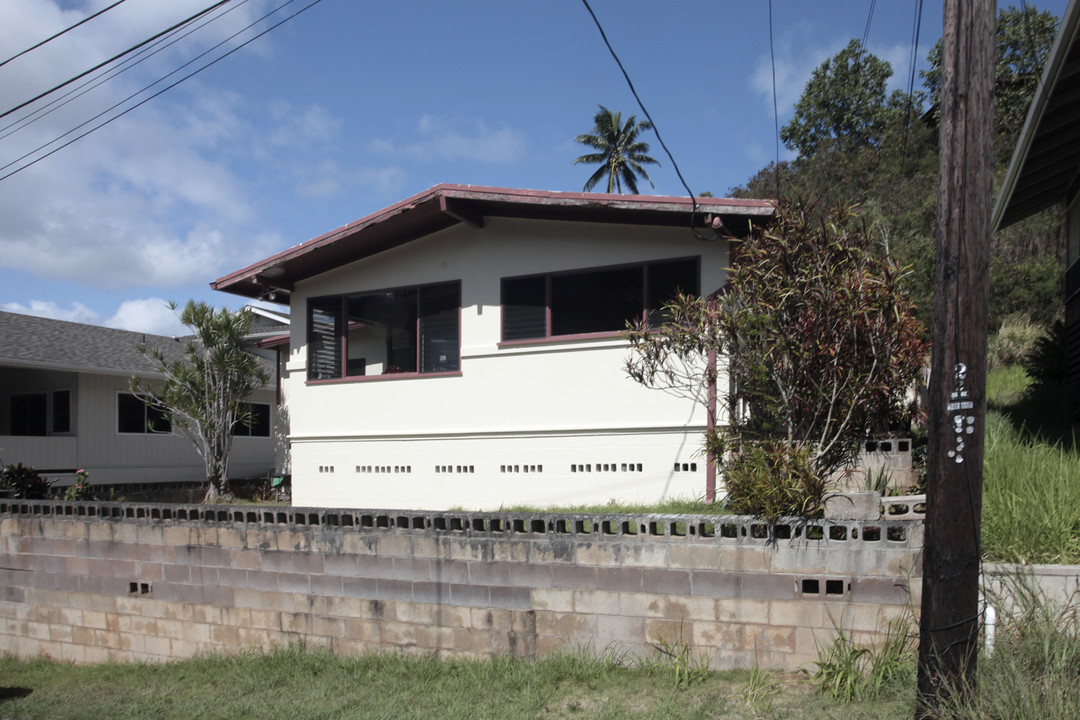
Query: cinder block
{"type": "Point", "coordinates": [681, 607]}
{"type": "Point", "coordinates": [666, 582]}
{"type": "Point", "coordinates": [298, 622]}
{"type": "Point", "coordinates": [616, 630]}
{"type": "Point", "coordinates": [662, 630]}
{"type": "Point", "coordinates": [860, 505]}
{"type": "Point", "coordinates": [693, 557]}
{"type": "Point", "coordinates": [395, 545]}
{"type": "Point", "coordinates": [573, 626]}
{"type": "Point", "coordinates": [551, 551]}
{"type": "Point", "coordinates": [554, 600]}
{"type": "Point", "coordinates": [148, 534]}
{"type": "Point", "coordinates": [747, 558]}
{"type": "Point", "coordinates": [434, 637]}
{"type": "Point", "coordinates": [620, 579]}
{"type": "Point", "coordinates": [574, 577]}
{"type": "Point", "coordinates": [641, 605]}
{"type": "Point", "coordinates": [395, 634]}
{"type": "Point", "coordinates": [797, 613]}
{"type": "Point", "coordinates": [714, 584]}
{"type": "Point", "coordinates": [596, 602]}
{"type": "Point", "coordinates": [473, 640]}
{"type": "Point", "coordinates": [510, 551]}
{"type": "Point", "coordinates": [721, 638]}
{"type": "Point", "coordinates": [742, 610]}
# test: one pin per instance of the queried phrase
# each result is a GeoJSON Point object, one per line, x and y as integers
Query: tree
{"type": "Point", "coordinates": [1023, 43]}
{"type": "Point", "coordinates": [620, 155]}
{"type": "Point", "coordinates": [205, 393]}
{"type": "Point", "coordinates": [820, 343]}
{"type": "Point", "coordinates": [844, 104]}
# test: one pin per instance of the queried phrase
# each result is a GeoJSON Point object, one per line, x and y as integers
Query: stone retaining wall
{"type": "Point", "coordinates": [94, 581]}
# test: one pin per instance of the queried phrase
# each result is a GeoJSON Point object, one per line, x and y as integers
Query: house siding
{"type": "Point", "coordinates": [554, 404]}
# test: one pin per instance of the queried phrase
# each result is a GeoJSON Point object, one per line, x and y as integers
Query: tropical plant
{"type": "Point", "coordinates": [80, 489]}
{"type": "Point", "coordinates": [619, 153]}
{"type": "Point", "coordinates": [205, 393]}
{"type": "Point", "coordinates": [819, 341]}
{"type": "Point", "coordinates": [25, 481]}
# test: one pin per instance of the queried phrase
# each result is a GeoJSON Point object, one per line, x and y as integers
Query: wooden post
{"type": "Point", "coordinates": [950, 620]}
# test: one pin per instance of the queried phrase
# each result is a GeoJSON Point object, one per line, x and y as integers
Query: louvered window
{"type": "Point", "coordinates": [388, 332]}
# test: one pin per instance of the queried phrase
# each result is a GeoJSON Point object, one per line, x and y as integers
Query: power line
{"type": "Point", "coordinates": [115, 58]}
{"type": "Point", "coordinates": [65, 30]}
{"type": "Point", "coordinates": [869, 20]}
{"type": "Point", "coordinates": [693, 200]}
{"type": "Point", "coordinates": [151, 97]}
{"type": "Point", "coordinates": [775, 110]}
{"type": "Point", "coordinates": [94, 83]}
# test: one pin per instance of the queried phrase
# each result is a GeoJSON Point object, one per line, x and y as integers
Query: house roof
{"type": "Point", "coordinates": [443, 206]}
{"type": "Point", "coordinates": [36, 342]}
{"type": "Point", "coordinates": [1045, 167]}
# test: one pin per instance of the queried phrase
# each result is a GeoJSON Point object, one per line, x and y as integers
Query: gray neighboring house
{"type": "Point", "coordinates": [65, 404]}
{"type": "Point", "coordinates": [1045, 167]}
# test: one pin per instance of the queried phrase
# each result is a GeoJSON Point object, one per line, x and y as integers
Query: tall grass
{"type": "Point", "coordinates": [1031, 498]}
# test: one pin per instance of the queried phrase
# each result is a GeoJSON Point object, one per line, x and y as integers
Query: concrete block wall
{"type": "Point", "coordinates": [93, 581]}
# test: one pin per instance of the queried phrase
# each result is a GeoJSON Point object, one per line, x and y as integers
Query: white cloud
{"type": "Point", "coordinates": [443, 138]}
{"type": "Point", "coordinates": [76, 313]}
{"type": "Point", "coordinates": [148, 200]}
{"type": "Point", "coordinates": [149, 315]}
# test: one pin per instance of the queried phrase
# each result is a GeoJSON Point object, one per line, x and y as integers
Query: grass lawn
{"type": "Point", "coordinates": [310, 684]}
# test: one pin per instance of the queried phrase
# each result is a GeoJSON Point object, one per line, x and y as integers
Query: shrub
{"type": "Point", "coordinates": [771, 479]}
{"type": "Point", "coordinates": [26, 482]}
{"type": "Point", "coordinates": [1013, 342]}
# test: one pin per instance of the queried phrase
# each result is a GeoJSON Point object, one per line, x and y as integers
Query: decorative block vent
{"type": "Point", "coordinates": [686, 467]}
{"type": "Point", "coordinates": [383, 469]}
{"type": "Point", "coordinates": [828, 588]}
{"type": "Point", "coordinates": [465, 469]}
{"type": "Point", "coordinates": [326, 468]}
{"type": "Point", "coordinates": [521, 468]}
{"type": "Point", "coordinates": [605, 467]}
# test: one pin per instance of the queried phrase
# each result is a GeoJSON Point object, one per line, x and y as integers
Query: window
{"type": "Point", "coordinates": [406, 331]}
{"type": "Point", "coordinates": [592, 301]}
{"type": "Point", "coordinates": [258, 424]}
{"type": "Point", "coordinates": [28, 414]}
{"type": "Point", "coordinates": [41, 413]}
{"type": "Point", "coordinates": [135, 416]}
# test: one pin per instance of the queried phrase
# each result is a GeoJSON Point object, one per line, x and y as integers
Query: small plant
{"type": "Point", "coordinates": [841, 668]}
{"type": "Point", "coordinates": [689, 666]}
{"type": "Point", "coordinates": [759, 690]}
{"type": "Point", "coordinates": [878, 481]}
{"type": "Point", "coordinates": [80, 489]}
{"type": "Point", "coordinates": [26, 482]}
{"type": "Point", "coordinates": [770, 480]}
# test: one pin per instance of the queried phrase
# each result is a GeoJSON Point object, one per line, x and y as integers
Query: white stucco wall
{"type": "Point", "coordinates": [550, 406]}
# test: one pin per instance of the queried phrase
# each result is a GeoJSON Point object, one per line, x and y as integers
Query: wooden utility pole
{"type": "Point", "coordinates": [951, 619]}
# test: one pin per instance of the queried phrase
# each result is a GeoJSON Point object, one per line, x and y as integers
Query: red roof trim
{"type": "Point", "coordinates": [429, 211]}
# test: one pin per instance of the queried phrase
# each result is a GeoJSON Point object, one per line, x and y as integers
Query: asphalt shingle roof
{"type": "Point", "coordinates": [29, 341]}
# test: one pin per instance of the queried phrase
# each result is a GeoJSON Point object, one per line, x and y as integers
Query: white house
{"type": "Point", "coordinates": [463, 347]}
{"type": "Point", "coordinates": [65, 404]}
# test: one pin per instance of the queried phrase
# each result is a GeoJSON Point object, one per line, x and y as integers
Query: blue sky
{"type": "Point", "coordinates": [352, 106]}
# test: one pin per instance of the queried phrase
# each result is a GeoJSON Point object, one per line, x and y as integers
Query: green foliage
{"type": "Point", "coordinates": [25, 481]}
{"type": "Point", "coordinates": [80, 489]}
{"type": "Point", "coordinates": [679, 656]}
{"type": "Point", "coordinates": [771, 480]}
{"type": "Point", "coordinates": [848, 673]}
{"type": "Point", "coordinates": [844, 105]}
{"type": "Point", "coordinates": [820, 345]}
{"type": "Point", "coordinates": [619, 153]}
{"type": "Point", "coordinates": [205, 393]}
{"type": "Point", "coordinates": [1031, 497]}
{"type": "Point", "coordinates": [1013, 342]}
{"type": "Point", "coordinates": [1023, 45]}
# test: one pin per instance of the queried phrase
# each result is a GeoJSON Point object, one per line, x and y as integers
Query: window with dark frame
{"type": "Point", "coordinates": [258, 422]}
{"type": "Point", "coordinates": [29, 414]}
{"type": "Point", "coordinates": [133, 416]}
{"type": "Point", "coordinates": [593, 301]}
{"type": "Point", "coordinates": [415, 330]}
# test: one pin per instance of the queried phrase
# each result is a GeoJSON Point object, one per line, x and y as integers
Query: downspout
{"type": "Point", "coordinates": [710, 428]}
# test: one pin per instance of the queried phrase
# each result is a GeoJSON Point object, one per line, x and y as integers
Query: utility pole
{"type": "Point", "coordinates": [950, 619]}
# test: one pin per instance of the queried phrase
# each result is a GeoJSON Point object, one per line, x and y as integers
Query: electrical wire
{"type": "Point", "coordinates": [151, 97]}
{"type": "Point", "coordinates": [65, 30]}
{"type": "Point", "coordinates": [869, 20]}
{"type": "Point", "coordinates": [94, 83]}
{"type": "Point", "coordinates": [693, 200]}
{"type": "Point", "coordinates": [114, 58]}
{"type": "Point", "coordinates": [911, 82]}
{"type": "Point", "coordinates": [775, 110]}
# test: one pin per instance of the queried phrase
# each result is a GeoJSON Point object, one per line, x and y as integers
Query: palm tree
{"type": "Point", "coordinates": [619, 153]}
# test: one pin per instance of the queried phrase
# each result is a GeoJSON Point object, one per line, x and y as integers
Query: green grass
{"type": "Point", "coordinates": [309, 684]}
{"type": "Point", "coordinates": [1031, 485]}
